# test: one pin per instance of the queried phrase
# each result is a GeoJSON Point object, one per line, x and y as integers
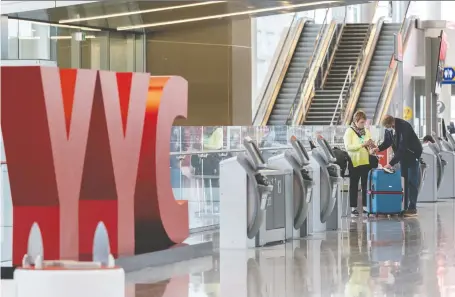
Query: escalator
{"type": "Point", "coordinates": [295, 75]}
{"type": "Point", "coordinates": [349, 49]}
{"type": "Point", "coordinates": [377, 70]}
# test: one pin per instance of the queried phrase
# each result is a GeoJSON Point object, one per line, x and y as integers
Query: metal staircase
{"type": "Point", "coordinates": [295, 75]}
{"type": "Point", "coordinates": [349, 49]}
{"type": "Point", "coordinates": [379, 64]}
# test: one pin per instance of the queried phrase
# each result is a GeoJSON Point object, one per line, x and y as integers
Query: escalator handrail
{"type": "Point", "coordinates": [391, 70]}
{"type": "Point", "coordinates": [297, 97]}
{"type": "Point", "coordinates": [280, 51]}
{"type": "Point", "coordinates": [362, 66]}
{"type": "Point", "coordinates": [299, 92]}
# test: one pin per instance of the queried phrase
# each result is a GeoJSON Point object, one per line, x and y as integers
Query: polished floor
{"type": "Point", "coordinates": [375, 257]}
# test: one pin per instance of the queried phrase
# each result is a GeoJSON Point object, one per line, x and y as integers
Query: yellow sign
{"type": "Point", "coordinates": [407, 113]}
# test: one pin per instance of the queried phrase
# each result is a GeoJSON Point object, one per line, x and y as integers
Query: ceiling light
{"type": "Point", "coordinates": [64, 26]}
{"type": "Point", "coordinates": [138, 12]}
{"type": "Point", "coordinates": [70, 37]}
{"type": "Point", "coordinates": [219, 16]}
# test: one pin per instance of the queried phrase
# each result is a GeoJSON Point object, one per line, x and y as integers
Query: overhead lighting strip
{"type": "Point", "coordinates": [220, 16]}
{"type": "Point", "coordinates": [114, 15]}
{"type": "Point", "coordinates": [63, 26]}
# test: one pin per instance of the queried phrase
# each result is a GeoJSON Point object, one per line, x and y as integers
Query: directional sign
{"type": "Point", "coordinates": [448, 76]}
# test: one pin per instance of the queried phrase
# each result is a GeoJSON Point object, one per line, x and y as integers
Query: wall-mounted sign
{"type": "Point", "coordinates": [440, 106]}
{"type": "Point", "coordinates": [398, 42]}
{"type": "Point", "coordinates": [448, 76]}
{"type": "Point", "coordinates": [407, 113]}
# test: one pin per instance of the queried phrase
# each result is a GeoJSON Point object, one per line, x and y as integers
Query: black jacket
{"type": "Point", "coordinates": [405, 144]}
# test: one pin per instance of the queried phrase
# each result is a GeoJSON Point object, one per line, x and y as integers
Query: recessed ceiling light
{"type": "Point", "coordinates": [113, 15]}
{"type": "Point", "coordinates": [220, 16]}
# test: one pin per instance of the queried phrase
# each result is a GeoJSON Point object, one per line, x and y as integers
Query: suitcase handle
{"type": "Point", "coordinates": [388, 171]}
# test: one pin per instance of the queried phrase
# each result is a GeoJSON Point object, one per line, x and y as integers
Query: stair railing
{"type": "Point", "coordinates": [346, 86]}
{"type": "Point", "coordinates": [362, 67]}
{"type": "Point", "coordinates": [317, 72]}
{"type": "Point", "coordinates": [382, 102]}
{"type": "Point", "coordinates": [324, 68]}
{"type": "Point", "coordinates": [299, 92]}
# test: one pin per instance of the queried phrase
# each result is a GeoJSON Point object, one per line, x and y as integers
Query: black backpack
{"type": "Point", "coordinates": [343, 160]}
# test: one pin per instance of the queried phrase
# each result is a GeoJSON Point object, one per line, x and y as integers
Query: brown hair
{"type": "Point", "coordinates": [359, 115]}
{"type": "Point", "coordinates": [388, 121]}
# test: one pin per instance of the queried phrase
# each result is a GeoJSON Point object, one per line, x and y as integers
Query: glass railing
{"type": "Point", "coordinates": [196, 153]}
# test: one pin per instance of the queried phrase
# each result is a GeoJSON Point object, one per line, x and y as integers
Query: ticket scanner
{"type": "Point", "coordinates": [298, 161]}
{"type": "Point", "coordinates": [326, 208]}
{"type": "Point", "coordinates": [447, 151]}
{"type": "Point", "coordinates": [253, 200]}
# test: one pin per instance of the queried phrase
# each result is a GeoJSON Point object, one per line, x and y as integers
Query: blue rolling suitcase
{"type": "Point", "coordinates": [385, 192]}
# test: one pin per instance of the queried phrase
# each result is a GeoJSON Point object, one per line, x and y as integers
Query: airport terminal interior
{"type": "Point", "coordinates": [201, 148]}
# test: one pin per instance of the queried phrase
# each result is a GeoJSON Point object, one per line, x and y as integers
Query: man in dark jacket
{"type": "Point", "coordinates": [407, 151]}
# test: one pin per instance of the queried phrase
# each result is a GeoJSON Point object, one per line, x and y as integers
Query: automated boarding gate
{"type": "Point", "coordinates": [326, 209]}
{"type": "Point", "coordinates": [298, 161]}
{"type": "Point", "coordinates": [253, 200]}
{"type": "Point", "coordinates": [447, 188]}
{"type": "Point", "coordinates": [435, 169]}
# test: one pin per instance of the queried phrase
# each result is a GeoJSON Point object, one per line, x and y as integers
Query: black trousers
{"type": "Point", "coordinates": [359, 173]}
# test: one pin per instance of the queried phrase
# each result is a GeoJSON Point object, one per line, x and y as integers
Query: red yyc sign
{"type": "Point", "coordinates": [86, 146]}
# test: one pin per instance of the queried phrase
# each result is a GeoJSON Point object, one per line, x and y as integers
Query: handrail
{"type": "Point", "coordinates": [340, 98]}
{"type": "Point", "coordinates": [362, 66]}
{"type": "Point", "coordinates": [280, 51]}
{"type": "Point", "coordinates": [297, 97]}
{"type": "Point", "coordinates": [289, 53]}
{"type": "Point", "coordinates": [390, 71]}
{"type": "Point", "coordinates": [310, 62]}
{"type": "Point", "coordinates": [310, 87]}
{"type": "Point", "coordinates": [325, 73]}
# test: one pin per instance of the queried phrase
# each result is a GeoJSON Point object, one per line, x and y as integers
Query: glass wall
{"type": "Point", "coordinates": [196, 153]}
{"type": "Point", "coordinates": [30, 40]}
{"type": "Point", "coordinates": [92, 49]}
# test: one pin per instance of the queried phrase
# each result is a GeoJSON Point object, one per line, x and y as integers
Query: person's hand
{"type": "Point", "coordinates": [388, 166]}
{"type": "Point", "coordinates": [375, 150]}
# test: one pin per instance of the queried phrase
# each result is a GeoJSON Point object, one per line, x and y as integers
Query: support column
{"type": "Point", "coordinates": [103, 43]}
{"type": "Point", "coordinates": [140, 52]}
{"type": "Point", "coordinates": [75, 53]}
{"type": "Point", "coordinates": [367, 12]}
{"type": "Point", "coordinates": [241, 76]}
{"type": "Point", "coordinates": [4, 37]}
{"type": "Point", "coordinates": [431, 64]}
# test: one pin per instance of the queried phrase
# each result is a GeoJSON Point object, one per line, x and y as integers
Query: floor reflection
{"type": "Point", "coordinates": [374, 257]}
{"type": "Point", "coordinates": [382, 257]}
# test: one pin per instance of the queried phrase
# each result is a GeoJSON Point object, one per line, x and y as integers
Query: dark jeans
{"type": "Point", "coordinates": [411, 173]}
{"type": "Point", "coordinates": [359, 173]}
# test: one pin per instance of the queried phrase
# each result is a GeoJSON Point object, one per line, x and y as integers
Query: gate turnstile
{"type": "Point", "coordinates": [326, 209]}
{"type": "Point", "coordinates": [429, 188]}
{"type": "Point", "coordinates": [253, 200]}
{"type": "Point", "coordinates": [447, 188]}
{"type": "Point", "coordinates": [298, 161]}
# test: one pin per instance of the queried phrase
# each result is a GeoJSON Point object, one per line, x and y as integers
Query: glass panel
{"type": "Point", "coordinates": [196, 153]}
{"type": "Point", "coordinates": [121, 52]}
{"type": "Point", "coordinates": [34, 41]}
